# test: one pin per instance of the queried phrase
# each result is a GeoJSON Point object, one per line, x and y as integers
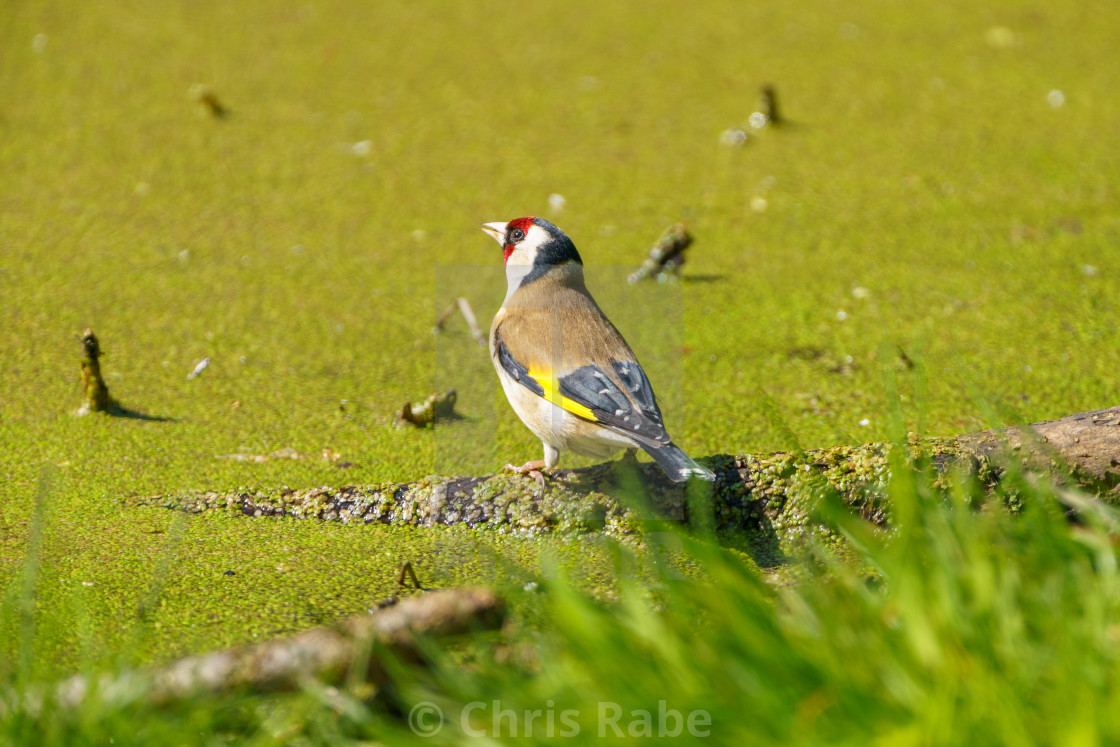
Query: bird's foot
{"type": "Point", "coordinates": [532, 469]}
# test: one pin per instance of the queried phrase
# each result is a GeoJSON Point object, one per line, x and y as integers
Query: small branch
{"type": "Point", "coordinates": [205, 98]}
{"type": "Point", "coordinates": [768, 105]}
{"type": "Point", "coordinates": [435, 408]}
{"type": "Point", "coordinates": [464, 307]}
{"type": "Point", "coordinates": [94, 388]}
{"type": "Point", "coordinates": [666, 256]}
{"type": "Point", "coordinates": [408, 573]}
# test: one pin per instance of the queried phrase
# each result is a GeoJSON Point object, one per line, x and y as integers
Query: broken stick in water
{"type": "Point", "coordinates": [96, 392]}
{"type": "Point", "coordinates": [464, 307]}
{"type": "Point", "coordinates": [666, 256]}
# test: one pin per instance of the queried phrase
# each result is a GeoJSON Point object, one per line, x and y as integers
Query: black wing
{"type": "Point", "coordinates": [633, 411]}
{"type": "Point", "coordinates": [588, 392]}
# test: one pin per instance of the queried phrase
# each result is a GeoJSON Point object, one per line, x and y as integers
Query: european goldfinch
{"type": "Point", "coordinates": [565, 369]}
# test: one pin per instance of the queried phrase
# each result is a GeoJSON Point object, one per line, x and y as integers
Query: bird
{"type": "Point", "coordinates": [566, 370]}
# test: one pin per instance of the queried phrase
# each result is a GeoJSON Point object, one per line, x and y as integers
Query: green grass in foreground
{"type": "Point", "coordinates": [967, 624]}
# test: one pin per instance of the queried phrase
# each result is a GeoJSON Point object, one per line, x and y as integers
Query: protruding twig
{"type": "Point", "coordinates": [768, 105]}
{"type": "Point", "coordinates": [666, 256]}
{"type": "Point", "coordinates": [96, 392]}
{"type": "Point", "coordinates": [435, 407]}
{"type": "Point", "coordinates": [408, 574]}
{"type": "Point", "coordinates": [904, 358]}
{"type": "Point", "coordinates": [205, 98]}
{"type": "Point", "coordinates": [464, 306]}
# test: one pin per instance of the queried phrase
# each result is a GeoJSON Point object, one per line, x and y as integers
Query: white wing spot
{"type": "Point", "coordinates": [604, 391]}
{"type": "Point", "coordinates": [619, 412]}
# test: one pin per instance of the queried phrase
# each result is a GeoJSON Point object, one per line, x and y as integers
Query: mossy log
{"type": "Point", "coordinates": [357, 646]}
{"type": "Point", "coordinates": [773, 491]}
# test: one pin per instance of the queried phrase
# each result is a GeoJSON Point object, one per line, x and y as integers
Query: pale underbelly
{"type": "Point", "coordinates": [559, 428]}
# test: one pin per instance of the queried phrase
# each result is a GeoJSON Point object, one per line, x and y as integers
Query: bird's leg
{"type": "Point", "coordinates": [630, 456]}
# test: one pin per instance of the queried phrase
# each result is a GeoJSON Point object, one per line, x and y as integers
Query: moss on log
{"type": "Point", "coordinates": [773, 491]}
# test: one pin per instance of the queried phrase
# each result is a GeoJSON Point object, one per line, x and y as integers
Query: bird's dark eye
{"type": "Point", "coordinates": [516, 235]}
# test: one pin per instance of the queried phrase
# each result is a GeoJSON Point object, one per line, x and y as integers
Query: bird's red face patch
{"type": "Point", "coordinates": [515, 232]}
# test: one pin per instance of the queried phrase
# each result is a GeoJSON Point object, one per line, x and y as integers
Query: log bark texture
{"type": "Point", "coordinates": [1088, 443]}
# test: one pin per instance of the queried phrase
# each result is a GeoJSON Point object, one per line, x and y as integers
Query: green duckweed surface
{"type": "Point", "coordinates": [935, 230]}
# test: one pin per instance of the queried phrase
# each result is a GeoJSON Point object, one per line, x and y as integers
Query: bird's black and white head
{"type": "Point", "coordinates": [532, 247]}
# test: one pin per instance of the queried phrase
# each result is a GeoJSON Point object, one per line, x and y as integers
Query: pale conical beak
{"type": "Point", "coordinates": [496, 230]}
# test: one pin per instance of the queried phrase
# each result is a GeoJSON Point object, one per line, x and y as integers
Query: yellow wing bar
{"type": "Point", "coordinates": [551, 386]}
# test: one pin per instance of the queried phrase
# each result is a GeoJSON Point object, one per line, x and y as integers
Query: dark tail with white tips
{"type": "Point", "coordinates": [677, 465]}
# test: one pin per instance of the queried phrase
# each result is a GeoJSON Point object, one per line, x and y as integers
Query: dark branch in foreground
{"type": "Point", "coordinates": [775, 491]}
